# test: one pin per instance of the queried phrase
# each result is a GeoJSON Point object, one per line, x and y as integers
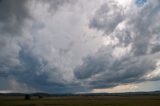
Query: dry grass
{"type": "Point", "coordinates": [82, 101]}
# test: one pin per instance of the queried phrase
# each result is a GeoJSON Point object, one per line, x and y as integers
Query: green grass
{"type": "Point", "coordinates": [82, 101]}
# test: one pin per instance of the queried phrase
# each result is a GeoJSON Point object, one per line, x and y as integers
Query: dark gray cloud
{"type": "Point", "coordinates": [102, 70]}
{"type": "Point", "coordinates": [17, 62]}
{"type": "Point", "coordinates": [22, 68]}
{"type": "Point", "coordinates": [56, 4]}
{"type": "Point", "coordinates": [35, 73]}
{"type": "Point", "coordinates": [137, 31]}
{"type": "Point", "coordinates": [40, 50]}
{"type": "Point", "coordinates": [107, 17]}
{"type": "Point", "coordinates": [13, 15]}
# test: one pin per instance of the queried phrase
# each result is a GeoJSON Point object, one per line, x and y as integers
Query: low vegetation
{"type": "Point", "coordinates": [81, 101]}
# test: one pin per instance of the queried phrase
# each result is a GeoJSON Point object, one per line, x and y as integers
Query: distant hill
{"type": "Point", "coordinates": [85, 94]}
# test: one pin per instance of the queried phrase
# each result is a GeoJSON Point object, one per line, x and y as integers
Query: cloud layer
{"type": "Point", "coordinates": [135, 50]}
{"type": "Point", "coordinates": [63, 46]}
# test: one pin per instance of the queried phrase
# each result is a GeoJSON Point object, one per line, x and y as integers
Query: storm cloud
{"type": "Point", "coordinates": [71, 46]}
{"type": "Point", "coordinates": [134, 52]}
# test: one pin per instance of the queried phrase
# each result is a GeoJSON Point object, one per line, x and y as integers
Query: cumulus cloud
{"type": "Point", "coordinates": [13, 15]}
{"type": "Point", "coordinates": [134, 53]}
{"type": "Point", "coordinates": [107, 17]}
{"type": "Point", "coordinates": [46, 47]}
{"type": "Point", "coordinates": [12, 19]}
{"type": "Point", "coordinates": [63, 46]}
{"type": "Point", "coordinates": [18, 62]}
{"type": "Point", "coordinates": [56, 4]}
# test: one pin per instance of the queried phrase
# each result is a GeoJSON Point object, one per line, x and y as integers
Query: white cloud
{"type": "Point", "coordinates": [74, 45]}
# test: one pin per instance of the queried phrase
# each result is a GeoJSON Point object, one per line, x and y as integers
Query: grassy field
{"type": "Point", "coordinates": [82, 101]}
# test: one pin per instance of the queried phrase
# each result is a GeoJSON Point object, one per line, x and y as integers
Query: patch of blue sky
{"type": "Point", "coordinates": [140, 2]}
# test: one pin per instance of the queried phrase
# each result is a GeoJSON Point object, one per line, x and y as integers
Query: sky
{"type": "Point", "coordinates": [79, 46]}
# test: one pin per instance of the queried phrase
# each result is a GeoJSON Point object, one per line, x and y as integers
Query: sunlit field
{"type": "Point", "coordinates": [82, 101]}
